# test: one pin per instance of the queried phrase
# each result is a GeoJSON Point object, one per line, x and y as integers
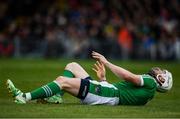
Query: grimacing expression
{"type": "Point", "coordinates": [163, 78]}
{"type": "Point", "coordinates": [157, 71]}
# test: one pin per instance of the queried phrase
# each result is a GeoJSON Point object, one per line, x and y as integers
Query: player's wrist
{"type": "Point", "coordinates": [107, 63]}
{"type": "Point", "coordinates": [103, 79]}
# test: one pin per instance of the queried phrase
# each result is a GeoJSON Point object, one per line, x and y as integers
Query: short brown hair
{"type": "Point", "coordinates": [153, 72]}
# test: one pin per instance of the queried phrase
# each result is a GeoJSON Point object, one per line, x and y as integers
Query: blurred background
{"type": "Point", "coordinates": [119, 29]}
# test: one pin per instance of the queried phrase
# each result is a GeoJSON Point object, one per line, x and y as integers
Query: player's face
{"type": "Point", "coordinates": [161, 79]}
{"type": "Point", "coordinates": [159, 73]}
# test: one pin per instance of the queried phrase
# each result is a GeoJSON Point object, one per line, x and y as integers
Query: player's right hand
{"type": "Point", "coordinates": [99, 57]}
{"type": "Point", "coordinates": [100, 70]}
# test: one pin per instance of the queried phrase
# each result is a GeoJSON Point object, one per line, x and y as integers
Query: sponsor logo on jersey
{"type": "Point", "coordinates": [98, 90]}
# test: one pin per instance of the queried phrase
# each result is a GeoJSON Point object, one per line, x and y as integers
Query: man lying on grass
{"type": "Point", "coordinates": [134, 90]}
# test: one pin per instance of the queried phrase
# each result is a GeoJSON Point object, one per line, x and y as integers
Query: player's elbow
{"type": "Point", "coordinates": [133, 79]}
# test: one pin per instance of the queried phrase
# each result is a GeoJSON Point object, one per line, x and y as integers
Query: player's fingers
{"type": "Point", "coordinates": [93, 53]}
{"type": "Point", "coordinates": [94, 69]}
{"type": "Point", "coordinates": [99, 65]}
{"type": "Point", "coordinates": [95, 57]}
{"type": "Point", "coordinates": [96, 66]}
{"type": "Point", "coordinates": [96, 53]}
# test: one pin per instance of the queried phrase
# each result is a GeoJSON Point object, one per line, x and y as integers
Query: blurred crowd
{"type": "Point", "coordinates": [120, 29]}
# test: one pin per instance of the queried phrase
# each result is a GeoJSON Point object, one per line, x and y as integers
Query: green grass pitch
{"type": "Point", "coordinates": [30, 74]}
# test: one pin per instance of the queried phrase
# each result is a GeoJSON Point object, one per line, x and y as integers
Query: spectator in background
{"type": "Point", "coordinates": [125, 41]}
{"type": "Point", "coordinates": [53, 45]}
{"type": "Point", "coordinates": [149, 47]}
{"type": "Point", "coordinates": [63, 28]}
{"type": "Point", "coordinates": [177, 46]}
{"type": "Point", "coordinates": [6, 46]}
{"type": "Point", "coordinates": [77, 43]}
{"type": "Point", "coordinates": [110, 40]}
{"type": "Point", "coordinates": [165, 46]}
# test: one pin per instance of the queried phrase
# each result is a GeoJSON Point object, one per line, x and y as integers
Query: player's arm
{"type": "Point", "coordinates": [119, 71]}
{"type": "Point", "coordinates": [125, 74]}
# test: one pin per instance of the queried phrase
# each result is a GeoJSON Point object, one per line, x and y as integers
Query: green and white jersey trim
{"type": "Point", "coordinates": [104, 84]}
{"type": "Point", "coordinates": [142, 81]}
{"type": "Point", "coordinates": [101, 93]}
{"type": "Point", "coordinates": [145, 76]}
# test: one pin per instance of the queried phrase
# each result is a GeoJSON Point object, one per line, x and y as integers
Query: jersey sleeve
{"type": "Point", "coordinates": [147, 81]}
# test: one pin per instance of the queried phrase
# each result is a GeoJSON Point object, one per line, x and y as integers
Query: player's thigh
{"type": "Point", "coordinates": [77, 70]}
{"type": "Point", "coordinates": [70, 85]}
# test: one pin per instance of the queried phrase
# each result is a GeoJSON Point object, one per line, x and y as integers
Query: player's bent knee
{"type": "Point", "coordinates": [71, 65]}
{"type": "Point", "coordinates": [62, 81]}
{"type": "Point", "coordinates": [59, 78]}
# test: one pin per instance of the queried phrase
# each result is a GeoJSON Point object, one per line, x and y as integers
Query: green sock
{"type": "Point", "coordinates": [45, 91]}
{"type": "Point", "coordinates": [48, 90]}
{"type": "Point", "coordinates": [68, 73]}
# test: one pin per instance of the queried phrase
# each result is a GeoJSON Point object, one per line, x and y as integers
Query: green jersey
{"type": "Point", "coordinates": [129, 94]}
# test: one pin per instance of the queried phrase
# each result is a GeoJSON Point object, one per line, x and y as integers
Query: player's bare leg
{"type": "Point", "coordinates": [72, 70]}
{"type": "Point", "coordinates": [71, 86]}
{"type": "Point", "coordinates": [77, 70]}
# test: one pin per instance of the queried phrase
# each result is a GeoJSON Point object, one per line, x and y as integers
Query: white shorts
{"type": "Point", "coordinates": [95, 99]}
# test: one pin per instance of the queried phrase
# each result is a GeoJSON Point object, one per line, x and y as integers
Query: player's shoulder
{"type": "Point", "coordinates": [147, 76]}
{"type": "Point", "coordinates": [148, 80]}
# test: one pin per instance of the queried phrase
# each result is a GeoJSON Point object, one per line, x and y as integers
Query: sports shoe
{"type": "Point", "coordinates": [56, 99]}
{"type": "Point", "coordinates": [16, 93]}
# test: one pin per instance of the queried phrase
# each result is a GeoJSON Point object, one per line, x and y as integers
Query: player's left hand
{"type": "Point", "coordinates": [99, 57]}
{"type": "Point", "coordinates": [100, 70]}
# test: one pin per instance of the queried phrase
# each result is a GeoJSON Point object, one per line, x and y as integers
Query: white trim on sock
{"type": "Point", "coordinates": [46, 91]}
{"type": "Point", "coordinates": [50, 92]}
{"type": "Point", "coordinates": [57, 84]}
{"type": "Point", "coordinates": [28, 96]}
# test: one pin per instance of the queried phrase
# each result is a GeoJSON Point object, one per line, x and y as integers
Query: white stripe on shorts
{"type": "Point", "coordinates": [104, 84]}
{"type": "Point", "coordinates": [92, 99]}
